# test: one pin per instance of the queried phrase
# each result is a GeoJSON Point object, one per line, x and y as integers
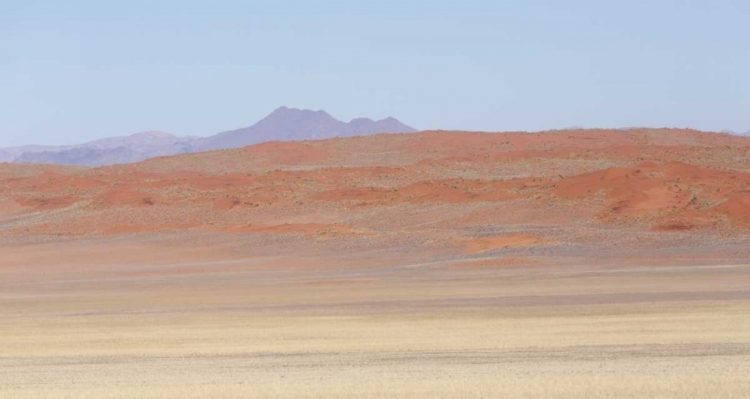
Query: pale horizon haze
{"type": "Point", "coordinates": [80, 70]}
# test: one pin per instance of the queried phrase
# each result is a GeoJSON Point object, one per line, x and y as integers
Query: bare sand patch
{"type": "Point", "coordinates": [507, 261]}
{"type": "Point", "coordinates": [492, 243]}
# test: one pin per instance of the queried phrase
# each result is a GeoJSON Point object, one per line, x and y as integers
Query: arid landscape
{"type": "Point", "coordinates": [565, 264]}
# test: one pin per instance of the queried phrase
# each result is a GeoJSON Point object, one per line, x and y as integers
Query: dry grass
{"type": "Point", "coordinates": [74, 326]}
{"type": "Point", "coordinates": [646, 351]}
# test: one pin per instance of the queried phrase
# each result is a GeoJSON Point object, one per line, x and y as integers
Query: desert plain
{"type": "Point", "coordinates": [565, 264]}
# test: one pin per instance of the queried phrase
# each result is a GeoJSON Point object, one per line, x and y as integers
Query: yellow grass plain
{"type": "Point", "coordinates": [127, 318]}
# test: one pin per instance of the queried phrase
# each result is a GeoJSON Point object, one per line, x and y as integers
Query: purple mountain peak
{"type": "Point", "coordinates": [283, 124]}
{"type": "Point", "coordinates": [288, 124]}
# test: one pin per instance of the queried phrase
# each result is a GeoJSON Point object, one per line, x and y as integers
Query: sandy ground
{"type": "Point", "coordinates": [169, 318]}
{"type": "Point", "coordinates": [564, 264]}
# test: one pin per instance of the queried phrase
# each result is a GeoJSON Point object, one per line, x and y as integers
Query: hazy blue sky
{"type": "Point", "coordinates": [72, 70]}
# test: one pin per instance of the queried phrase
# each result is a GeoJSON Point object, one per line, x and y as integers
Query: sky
{"type": "Point", "coordinates": [73, 71]}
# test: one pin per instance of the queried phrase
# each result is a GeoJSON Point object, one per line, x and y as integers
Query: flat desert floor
{"type": "Point", "coordinates": [563, 264]}
{"type": "Point", "coordinates": [154, 317]}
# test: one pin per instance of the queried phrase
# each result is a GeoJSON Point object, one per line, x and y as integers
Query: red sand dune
{"type": "Point", "coordinates": [736, 208]}
{"type": "Point", "coordinates": [651, 191]}
{"type": "Point", "coordinates": [658, 179]}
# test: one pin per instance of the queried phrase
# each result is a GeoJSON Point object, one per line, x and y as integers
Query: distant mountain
{"type": "Point", "coordinates": [283, 124]}
{"type": "Point", "coordinates": [287, 124]}
{"type": "Point", "coordinates": [82, 156]}
{"type": "Point", "coordinates": [9, 154]}
{"type": "Point", "coordinates": [728, 131]}
{"type": "Point", "coordinates": [113, 150]}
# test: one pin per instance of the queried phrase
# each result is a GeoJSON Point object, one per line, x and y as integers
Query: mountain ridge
{"type": "Point", "coordinates": [290, 124]}
{"type": "Point", "coordinates": [283, 124]}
